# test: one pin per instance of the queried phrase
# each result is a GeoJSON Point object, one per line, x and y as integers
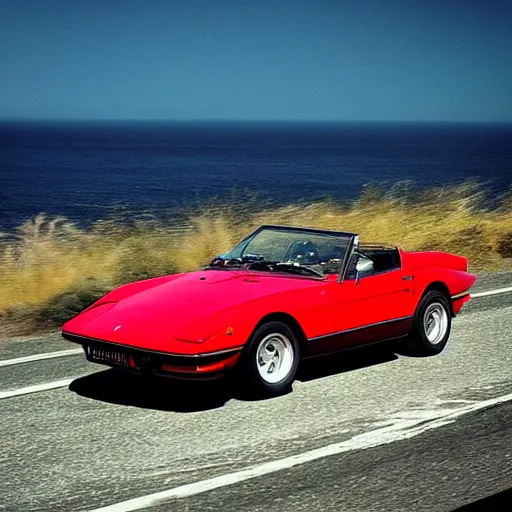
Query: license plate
{"type": "Point", "coordinates": [107, 356]}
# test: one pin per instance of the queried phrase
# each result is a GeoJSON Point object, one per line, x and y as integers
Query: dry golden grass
{"type": "Point", "coordinates": [47, 258]}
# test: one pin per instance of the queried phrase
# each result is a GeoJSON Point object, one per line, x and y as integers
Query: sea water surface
{"type": "Point", "coordinates": [84, 170]}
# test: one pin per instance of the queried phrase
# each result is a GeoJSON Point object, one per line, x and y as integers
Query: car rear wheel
{"type": "Point", "coordinates": [269, 362]}
{"type": "Point", "coordinates": [432, 324]}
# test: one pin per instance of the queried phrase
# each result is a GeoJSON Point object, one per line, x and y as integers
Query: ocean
{"type": "Point", "coordinates": [86, 170]}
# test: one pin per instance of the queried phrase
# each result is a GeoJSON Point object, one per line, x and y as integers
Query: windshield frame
{"type": "Point", "coordinates": [353, 242]}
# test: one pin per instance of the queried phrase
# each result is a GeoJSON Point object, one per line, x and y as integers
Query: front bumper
{"type": "Point", "coordinates": [205, 366]}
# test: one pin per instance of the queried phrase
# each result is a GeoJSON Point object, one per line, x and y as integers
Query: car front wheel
{"type": "Point", "coordinates": [432, 324]}
{"type": "Point", "coordinates": [270, 360]}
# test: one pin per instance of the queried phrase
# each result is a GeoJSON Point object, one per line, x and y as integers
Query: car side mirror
{"type": "Point", "coordinates": [363, 265]}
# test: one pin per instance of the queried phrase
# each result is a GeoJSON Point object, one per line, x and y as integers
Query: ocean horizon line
{"type": "Point", "coordinates": [366, 122]}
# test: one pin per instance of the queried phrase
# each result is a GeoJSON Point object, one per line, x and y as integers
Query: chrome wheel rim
{"type": "Point", "coordinates": [435, 322]}
{"type": "Point", "coordinates": [274, 358]}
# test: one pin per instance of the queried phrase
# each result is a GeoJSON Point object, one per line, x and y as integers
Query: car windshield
{"type": "Point", "coordinates": [308, 252]}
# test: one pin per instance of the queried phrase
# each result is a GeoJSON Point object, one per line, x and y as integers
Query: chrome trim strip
{"type": "Point", "coordinates": [378, 324]}
{"type": "Point", "coordinates": [300, 229]}
{"type": "Point", "coordinates": [460, 295]}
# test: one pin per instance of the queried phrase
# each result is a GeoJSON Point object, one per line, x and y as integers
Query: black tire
{"type": "Point", "coordinates": [433, 312]}
{"type": "Point", "coordinates": [247, 370]}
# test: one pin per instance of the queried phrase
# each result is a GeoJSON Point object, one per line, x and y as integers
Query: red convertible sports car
{"type": "Point", "coordinates": [283, 294]}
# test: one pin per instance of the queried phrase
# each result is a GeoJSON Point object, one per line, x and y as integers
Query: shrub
{"type": "Point", "coordinates": [64, 306]}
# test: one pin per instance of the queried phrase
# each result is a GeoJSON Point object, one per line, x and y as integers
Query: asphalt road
{"type": "Point", "coordinates": [402, 433]}
{"type": "Point", "coordinates": [440, 470]}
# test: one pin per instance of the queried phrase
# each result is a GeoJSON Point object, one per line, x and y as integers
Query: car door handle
{"type": "Point", "coordinates": [407, 278]}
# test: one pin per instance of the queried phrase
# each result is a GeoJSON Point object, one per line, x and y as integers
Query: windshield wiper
{"type": "Point", "coordinates": [284, 266]}
{"type": "Point", "coordinates": [297, 267]}
{"type": "Point", "coordinates": [262, 264]}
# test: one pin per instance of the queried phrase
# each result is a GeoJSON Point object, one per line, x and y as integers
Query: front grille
{"type": "Point", "coordinates": [151, 360]}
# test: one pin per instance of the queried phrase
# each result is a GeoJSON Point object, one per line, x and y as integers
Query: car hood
{"type": "Point", "coordinates": [161, 313]}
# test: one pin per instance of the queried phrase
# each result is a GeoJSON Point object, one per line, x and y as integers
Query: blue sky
{"type": "Point", "coordinates": [259, 59]}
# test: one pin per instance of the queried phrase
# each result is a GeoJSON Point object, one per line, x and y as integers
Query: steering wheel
{"type": "Point", "coordinates": [302, 251]}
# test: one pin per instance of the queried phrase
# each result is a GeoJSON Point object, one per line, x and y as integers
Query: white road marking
{"type": "Point", "coordinates": [491, 292]}
{"type": "Point", "coordinates": [40, 357]}
{"type": "Point", "coordinates": [409, 425]}
{"type": "Point", "coordinates": [36, 388]}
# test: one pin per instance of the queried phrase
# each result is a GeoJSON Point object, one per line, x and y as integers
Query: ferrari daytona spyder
{"type": "Point", "coordinates": [281, 295]}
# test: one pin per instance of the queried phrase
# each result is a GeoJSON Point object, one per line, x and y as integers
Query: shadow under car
{"type": "Point", "coordinates": [117, 387]}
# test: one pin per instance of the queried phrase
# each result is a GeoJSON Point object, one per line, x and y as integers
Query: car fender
{"type": "Point", "coordinates": [457, 282]}
{"type": "Point", "coordinates": [232, 327]}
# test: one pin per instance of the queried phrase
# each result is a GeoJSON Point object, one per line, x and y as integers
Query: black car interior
{"type": "Point", "coordinates": [385, 259]}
